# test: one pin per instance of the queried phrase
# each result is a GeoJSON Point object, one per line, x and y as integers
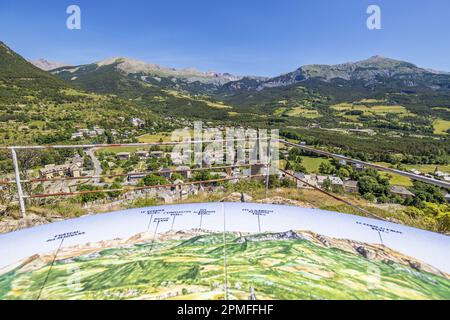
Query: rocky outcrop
{"type": "Point", "coordinates": [237, 197]}
{"type": "Point", "coordinates": [31, 220]}
{"type": "Point", "coordinates": [279, 236]}
{"type": "Point", "coordinates": [285, 201]}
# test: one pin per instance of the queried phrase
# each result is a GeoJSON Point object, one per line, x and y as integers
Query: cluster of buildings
{"type": "Point", "coordinates": [184, 171]}
{"type": "Point", "coordinates": [72, 168]}
{"type": "Point", "coordinates": [361, 132]}
{"type": "Point", "coordinates": [138, 123]}
{"type": "Point", "coordinates": [143, 155]}
{"type": "Point", "coordinates": [436, 175]}
{"type": "Point", "coordinates": [87, 133]}
{"type": "Point", "coordinates": [310, 181]}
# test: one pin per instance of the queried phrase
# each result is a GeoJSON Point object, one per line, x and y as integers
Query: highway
{"type": "Point", "coordinates": [412, 176]}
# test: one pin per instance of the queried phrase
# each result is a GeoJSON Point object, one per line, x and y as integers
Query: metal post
{"type": "Point", "coordinates": [225, 267]}
{"type": "Point", "coordinates": [269, 162]}
{"type": "Point", "coordinates": [18, 183]}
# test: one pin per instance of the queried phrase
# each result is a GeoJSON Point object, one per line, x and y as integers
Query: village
{"type": "Point", "coordinates": [130, 169]}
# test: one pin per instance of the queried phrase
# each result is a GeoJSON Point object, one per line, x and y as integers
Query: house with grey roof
{"type": "Point", "coordinates": [351, 186]}
{"type": "Point", "coordinates": [402, 192]}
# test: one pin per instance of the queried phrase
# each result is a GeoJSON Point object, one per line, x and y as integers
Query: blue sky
{"type": "Point", "coordinates": [260, 37]}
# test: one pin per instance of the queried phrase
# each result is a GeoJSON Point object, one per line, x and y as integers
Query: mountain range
{"type": "Point", "coordinates": [376, 70]}
{"type": "Point", "coordinates": [48, 65]}
{"type": "Point", "coordinates": [377, 77]}
{"type": "Point", "coordinates": [142, 74]}
{"type": "Point", "coordinates": [377, 92]}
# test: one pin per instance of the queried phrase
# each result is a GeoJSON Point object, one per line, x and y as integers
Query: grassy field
{"type": "Point", "coordinates": [117, 150]}
{"type": "Point", "coordinates": [378, 109]}
{"type": "Point", "coordinates": [303, 113]}
{"type": "Point", "coordinates": [397, 180]}
{"type": "Point", "coordinates": [209, 103]}
{"type": "Point", "coordinates": [312, 164]}
{"type": "Point", "coordinates": [441, 126]}
{"type": "Point", "coordinates": [370, 108]}
{"type": "Point", "coordinates": [147, 138]}
{"type": "Point", "coordinates": [404, 181]}
{"type": "Point", "coordinates": [279, 111]}
{"type": "Point", "coordinates": [150, 138]}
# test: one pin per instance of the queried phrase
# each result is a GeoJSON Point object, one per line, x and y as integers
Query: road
{"type": "Point", "coordinates": [412, 176]}
{"type": "Point", "coordinates": [96, 164]}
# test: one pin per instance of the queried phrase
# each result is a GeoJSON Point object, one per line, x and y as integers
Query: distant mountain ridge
{"type": "Point", "coordinates": [48, 65]}
{"type": "Point", "coordinates": [133, 66]}
{"type": "Point", "coordinates": [373, 72]}
{"type": "Point", "coordinates": [128, 72]}
{"type": "Point", "coordinates": [376, 70]}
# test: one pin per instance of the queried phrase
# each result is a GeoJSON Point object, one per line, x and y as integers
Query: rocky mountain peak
{"type": "Point", "coordinates": [46, 65]}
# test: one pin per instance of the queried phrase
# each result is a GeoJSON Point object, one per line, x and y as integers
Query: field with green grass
{"type": "Point", "coordinates": [157, 137]}
{"type": "Point", "coordinates": [303, 112]}
{"type": "Point", "coordinates": [312, 164]}
{"type": "Point", "coordinates": [375, 109]}
{"type": "Point", "coordinates": [397, 180]}
{"type": "Point", "coordinates": [441, 126]}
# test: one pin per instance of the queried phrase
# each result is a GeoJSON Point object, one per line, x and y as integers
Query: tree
{"type": "Point", "coordinates": [115, 194]}
{"type": "Point", "coordinates": [427, 192]}
{"type": "Point", "coordinates": [369, 197]}
{"type": "Point", "coordinates": [367, 184]}
{"type": "Point", "coordinates": [327, 184]}
{"type": "Point", "coordinates": [154, 180]}
{"type": "Point", "coordinates": [288, 183]}
{"type": "Point", "coordinates": [177, 176]}
{"type": "Point", "coordinates": [274, 181]}
{"type": "Point", "coordinates": [203, 176]}
{"type": "Point", "coordinates": [89, 197]}
{"type": "Point", "coordinates": [326, 168]}
{"type": "Point", "coordinates": [343, 173]}
{"type": "Point", "coordinates": [298, 167]}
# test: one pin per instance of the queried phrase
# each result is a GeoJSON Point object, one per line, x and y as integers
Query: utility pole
{"type": "Point", "coordinates": [18, 183]}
